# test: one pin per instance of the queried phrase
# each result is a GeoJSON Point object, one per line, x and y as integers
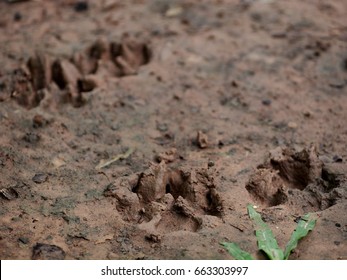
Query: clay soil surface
{"type": "Point", "coordinates": [143, 129]}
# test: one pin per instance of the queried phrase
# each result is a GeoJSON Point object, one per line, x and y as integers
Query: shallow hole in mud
{"type": "Point", "coordinates": [172, 221]}
{"type": "Point", "coordinates": [167, 188]}
{"type": "Point", "coordinates": [179, 185]}
{"type": "Point", "coordinates": [279, 198]}
{"type": "Point", "coordinates": [296, 168]}
{"type": "Point", "coordinates": [135, 188]}
{"type": "Point", "coordinates": [267, 187]}
{"type": "Point", "coordinates": [276, 199]}
{"type": "Point", "coordinates": [330, 178]}
{"type": "Point", "coordinates": [296, 173]}
{"type": "Point", "coordinates": [147, 53]}
{"type": "Point", "coordinates": [97, 49]}
{"type": "Point", "coordinates": [214, 202]}
{"type": "Point", "coordinates": [57, 75]}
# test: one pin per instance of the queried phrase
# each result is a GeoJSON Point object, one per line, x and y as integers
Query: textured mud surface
{"type": "Point", "coordinates": [142, 129]}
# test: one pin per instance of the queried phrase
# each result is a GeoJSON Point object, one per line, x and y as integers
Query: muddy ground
{"type": "Point", "coordinates": [143, 129]}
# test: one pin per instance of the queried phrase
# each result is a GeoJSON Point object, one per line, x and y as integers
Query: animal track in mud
{"type": "Point", "coordinates": [298, 179]}
{"type": "Point", "coordinates": [162, 200]}
{"type": "Point", "coordinates": [65, 80]}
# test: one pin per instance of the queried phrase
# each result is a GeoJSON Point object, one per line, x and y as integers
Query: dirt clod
{"type": "Point", "coordinates": [168, 156]}
{"type": "Point", "coordinates": [182, 207]}
{"type": "Point", "coordinates": [128, 202]}
{"type": "Point", "coordinates": [202, 140]}
{"type": "Point", "coordinates": [215, 203]}
{"type": "Point", "coordinates": [152, 183]}
{"type": "Point", "coordinates": [39, 121]}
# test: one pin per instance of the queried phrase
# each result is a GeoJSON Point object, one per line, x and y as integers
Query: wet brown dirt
{"type": "Point", "coordinates": [142, 129]}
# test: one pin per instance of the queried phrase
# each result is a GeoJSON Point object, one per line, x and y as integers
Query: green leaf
{"type": "Point", "coordinates": [236, 251]}
{"type": "Point", "coordinates": [306, 224]}
{"type": "Point", "coordinates": [265, 237]}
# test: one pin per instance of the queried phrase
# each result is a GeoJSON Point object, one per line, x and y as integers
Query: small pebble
{"type": "Point", "coordinates": [162, 127]}
{"type": "Point", "coordinates": [17, 16]}
{"type": "Point", "coordinates": [307, 114]}
{"type": "Point", "coordinates": [40, 178]}
{"type": "Point", "coordinates": [266, 102]}
{"type": "Point", "coordinates": [201, 140]}
{"type": "Point", "coordinates": [292, 125]}
{"type": "Point", "coordinates": [174, 11]}
{"type": "Point", "coordinates": [39, 121]}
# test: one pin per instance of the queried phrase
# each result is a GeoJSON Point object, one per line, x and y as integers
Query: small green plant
{"type": "Point", "coordinates": [266, 240]}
